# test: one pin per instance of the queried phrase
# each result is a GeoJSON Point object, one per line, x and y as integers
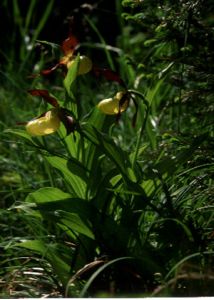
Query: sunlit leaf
{"type": "Point", "coordinates": [75, 223]}
{"type": "Point", "coordinates": [75, 180]}
{"type": "Point", "coordinates": [71, 76]}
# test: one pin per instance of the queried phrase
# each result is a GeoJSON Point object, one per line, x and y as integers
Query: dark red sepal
{"type": "Point", "coordinates": [126, 97]}
{"type": "Point", "coordinates": [45, 95]}
{"type": "Point", "coordinates": [49, 71]}
{"type": "Point", "coordinates": [68, 46]}
{"type": "Point", "coordinates": [67, 120]}
{"type": "Point", "coordinates": [108, 74]}
{"type": "Point", "coordinates": [25, 123]}
{"type": "Point", "coordinates": [21, 123]}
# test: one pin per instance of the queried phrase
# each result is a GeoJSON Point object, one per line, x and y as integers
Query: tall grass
{"type": "Point", "coordinates": [111, 209]}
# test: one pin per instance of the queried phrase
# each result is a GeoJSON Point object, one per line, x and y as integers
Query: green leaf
{"type": "Point", "coordinates": [77, 168]}
{"type": "Point", "coordinates": [75, 223]}
{"type": "Point", "coordinates": [49, 252]}
{"type": "Point", "coordinates": [35, 245]}
{"type": "Point", "coordinates": [88, 131]}
{"type": "Point", "coordinates": [60, 207]}
{"type": "Point", "coordinates": [21, 133]}
{"type": "Point", "coordinates": [75, 180]}
{"type": "Point", "coordinates": [112, 151]}
{"type": "Point", "coordinates": [50, 199]}
{"type": "Point", "coordinates": [171, 165]}
{"type": "Point", "coordinates": [91, 151]}
{"type": "Point", "coordinates": [71, 76]}
{"type": "Point", "coordinates": [47, 194]}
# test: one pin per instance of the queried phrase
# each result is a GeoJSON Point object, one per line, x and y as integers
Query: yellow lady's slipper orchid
{"type": "Point", "coordinates": [112, 106]}
{"type": "Point", "coordinates": [69, 47]}
{"type": "Point", "coordinates": [85, 64]}
{"type": "Point", "coordinates": [47, 124]}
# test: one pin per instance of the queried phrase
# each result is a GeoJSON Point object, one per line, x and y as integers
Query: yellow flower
{"type": "Point", "coordinates": [46, 124]}
{"type": "Point", "coordinates": [114, 105]}
{"type": "Point", "coordinates": [84, 66]}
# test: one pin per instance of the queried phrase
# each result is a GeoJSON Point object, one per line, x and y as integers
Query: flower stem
{"type": "Point", "coordinates": [146, 103]}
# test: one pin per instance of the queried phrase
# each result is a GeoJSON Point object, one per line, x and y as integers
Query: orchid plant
{"type": "Point", "coordinates": [49, 122]}
{"type": "Point", "coordinates": [80, 167]}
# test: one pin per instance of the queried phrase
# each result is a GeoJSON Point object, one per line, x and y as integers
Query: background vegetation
{"type": "Point", "coordinates": [112, 209]}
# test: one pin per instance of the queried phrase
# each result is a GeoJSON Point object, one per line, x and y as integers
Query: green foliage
{"type": "Point", "coordinates": [114, 208]}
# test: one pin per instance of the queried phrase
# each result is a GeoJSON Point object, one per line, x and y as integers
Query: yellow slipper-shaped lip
{"type": "Point", "coordinates": [111, 106]}
{"type": "Point", "coordinates": [47, 124]}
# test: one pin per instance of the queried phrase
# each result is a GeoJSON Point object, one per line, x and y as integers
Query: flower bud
{"type": "Point", "coordinates": [47, 124]}
{"type": "Point", "coordinates": [112, 106]}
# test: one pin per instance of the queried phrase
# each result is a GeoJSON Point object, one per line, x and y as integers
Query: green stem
{"type": "Point", "coordinates": [108, 56]}
{"type": "Point", "coordinates": [146, 103]}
